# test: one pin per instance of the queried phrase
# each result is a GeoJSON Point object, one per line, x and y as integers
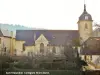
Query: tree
{"type": "Point", "coordinates": [76, 42]}
{"type": "Point", "coordinates": [70, 53]}
{"type": "Point", "coordinates": [97, 25]}
{"type": "Point", "coordinates": [5, 64]}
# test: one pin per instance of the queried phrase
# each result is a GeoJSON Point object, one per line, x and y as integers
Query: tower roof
{"type": "Point", "coordinates": [85, 15]}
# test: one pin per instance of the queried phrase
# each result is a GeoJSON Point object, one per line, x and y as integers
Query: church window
{"type": "Point", "coordinates": [41, 48]}
{"type": "Point", "coordinates": [23, 47]}
{"type": "Point", "coordinates": [91, 57]}
{"type": "Point", "coordinates": [15, 52]}
{"type": "Point", "coordinates": [85, 57]}
{"type": "Point", "coordinates": [5, 49]}
{"type": "Point", "coordinates": [86, 27]}
{"type": "Point", "coordinates": [54, 50]}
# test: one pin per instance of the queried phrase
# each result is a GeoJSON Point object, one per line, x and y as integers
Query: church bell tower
{"type": "Point", "coordinates": [85, 25]}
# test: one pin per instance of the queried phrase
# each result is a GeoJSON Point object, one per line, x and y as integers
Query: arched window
{"type": "Point", "coordinates": [86, 27]}
{"type": "Point", "coordinates": [41, 48]}
{"type": "Point", "coordinates": [85, 57]}
{"type": "Point", "coordinates": [54, 50]}
{"type": "Point", "coordinates": [5, 50]}
{"type": "Point", "coordinates": [91, 57]}
{"type": "Point", "coordinates": [24, 47]}
{"type": "Point", "coordinates": [15, 52]}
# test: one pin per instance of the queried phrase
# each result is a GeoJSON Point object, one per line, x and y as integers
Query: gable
{"type": "Point", "coordinates": [45, 33]}
{"type": "Point", "coordinates": [55, 37]}
{"type": "Point", "coordinates": [41, 39]}
{"type": "Point", "coordinates": [29, 36]}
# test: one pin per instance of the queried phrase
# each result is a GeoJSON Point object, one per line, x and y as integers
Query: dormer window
{"type": "Point", "coordinates": [86, 17]}
{"type": "Point", "coordinates": [54, 50]}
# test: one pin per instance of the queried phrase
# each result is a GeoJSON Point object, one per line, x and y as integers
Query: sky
{"type": "Point", "coordinates": [47, 14]}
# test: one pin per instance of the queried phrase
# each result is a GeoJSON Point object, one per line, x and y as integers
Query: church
{"type": "Point", "coordinates": [53, 41]}
{"type": "Point", "coordinates": [42, 42]}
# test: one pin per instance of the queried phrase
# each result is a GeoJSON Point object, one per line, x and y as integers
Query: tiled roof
{"type": "Point", "coordinates": [56, 37]}
{"type": "Point", "coordinates": [91, 46]}
{"type": "Point", "coordinates": [90, 52]}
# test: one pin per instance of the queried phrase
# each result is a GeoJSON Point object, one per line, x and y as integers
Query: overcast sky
{"type": "Point", "coordinates": [48, 14]}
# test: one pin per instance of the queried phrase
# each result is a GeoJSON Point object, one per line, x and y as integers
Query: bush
{"type": "Point", "coordinates": [23, 65]}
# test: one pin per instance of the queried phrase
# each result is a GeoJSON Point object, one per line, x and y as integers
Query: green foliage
{"type": "Point", "coordinates": [5, 64]}
{"type": "Point", "coordinates": [76, 42]}
{"type": "Point", "coordinates": [23, 65]}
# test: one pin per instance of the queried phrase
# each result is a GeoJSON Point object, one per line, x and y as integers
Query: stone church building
{"type": "Point", "coordinates": [43, 41]}
{"type": "Point", "coordinates": [27, 42]}
{"type": "Point", "coordinates": [53, 41]}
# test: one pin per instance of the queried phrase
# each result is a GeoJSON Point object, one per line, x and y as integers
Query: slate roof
{"type": "Point", "coordinates": [55, 37]}
{"type": "Point", "coordinates": [60, 37]}
{"type": "Point", "coordinates": [29, 36]}
{"type": "Point", "coordinates": [46, 33]}
{"type": "Point", "coordinates": [6, 33]}
{"type": "Point", "coordinates": [85, 13]}
{"type": "Point", "coordinates": [90, 52]}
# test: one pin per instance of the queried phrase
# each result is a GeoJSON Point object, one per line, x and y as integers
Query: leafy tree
{"type": "Point", "coordinates": [5, 63]}
{"type": "Point", "coordinates": [76, 42]}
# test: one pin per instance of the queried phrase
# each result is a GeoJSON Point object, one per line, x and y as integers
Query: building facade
{"type": "Point", "coordinates": [43, 41]}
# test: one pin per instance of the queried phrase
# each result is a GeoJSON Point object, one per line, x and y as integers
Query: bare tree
{"type": "Point", "coordinates": [96, 25]}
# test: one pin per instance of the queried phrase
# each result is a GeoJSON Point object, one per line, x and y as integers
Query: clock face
{"type": "Point", "coordinates": [86, 17]}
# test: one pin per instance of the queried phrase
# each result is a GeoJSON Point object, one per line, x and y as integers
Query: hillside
{"type": "Point", "coordinates": [12, 27]}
